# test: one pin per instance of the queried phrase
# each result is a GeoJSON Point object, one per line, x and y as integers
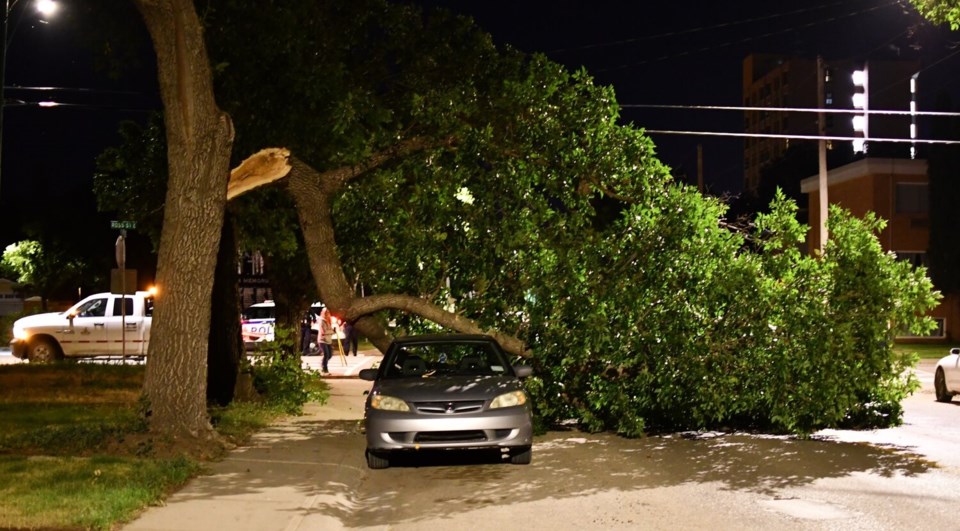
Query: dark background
{"type": "Point", "coordinates": [671, 53]}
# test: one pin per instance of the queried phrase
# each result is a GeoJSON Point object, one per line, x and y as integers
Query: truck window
{"type": "Point", "coordinates": [94, 308]}
{"type": "Point", "coordinates": [129, 305]}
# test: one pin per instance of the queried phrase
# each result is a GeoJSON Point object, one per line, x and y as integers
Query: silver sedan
{"type": "Point", "coordinates": [450, 391]}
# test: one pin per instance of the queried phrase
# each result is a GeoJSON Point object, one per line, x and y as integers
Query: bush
{"type": "Point", "coordinates": [279, 376]}
{"type": "Point", "coordinates": [693, 326]}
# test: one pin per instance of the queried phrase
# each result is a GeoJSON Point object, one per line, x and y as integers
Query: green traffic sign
{"type": "Point", "coordinates": [123, 225]}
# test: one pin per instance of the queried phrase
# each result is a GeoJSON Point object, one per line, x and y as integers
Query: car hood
{"type": "Point", "coordinates": [43, 319]}
{"type": "Point", "coordinates": [441, 388]}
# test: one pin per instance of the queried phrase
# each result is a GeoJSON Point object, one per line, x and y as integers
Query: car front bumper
{"type": "Point", "coordinates": [18, 348]}
{"type": "Point", "coordinates": [505, 428]}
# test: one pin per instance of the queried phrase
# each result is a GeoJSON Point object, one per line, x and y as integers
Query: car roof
{"type": "Point", "coordinates": [443, 338]}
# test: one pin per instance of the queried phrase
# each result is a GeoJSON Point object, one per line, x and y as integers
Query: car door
{"type": "Point", "coordinates": [86, 331]}
{"type": "Point", "coordinates": [951, 371]}
{"type": "Point", "coordinates": [123, 331]}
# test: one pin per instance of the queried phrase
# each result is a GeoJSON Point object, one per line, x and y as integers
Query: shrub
{"type": "Point", "coordinates": [679, 323]}
{"type": "Point", "coordinates": [279, 376]}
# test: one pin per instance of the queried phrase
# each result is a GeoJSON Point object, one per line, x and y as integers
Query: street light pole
{"type": "Point", "coordinates": [3, 80]}
{"type": "Point", "coordinates": [45, 7]}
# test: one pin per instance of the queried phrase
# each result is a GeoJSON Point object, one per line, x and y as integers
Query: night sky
{"type": "Point", "coordinates": [671, 53]}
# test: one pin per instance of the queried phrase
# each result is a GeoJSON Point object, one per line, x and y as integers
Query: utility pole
{"type": "Point", "coordinates": [700, 167]}
{"type": "Point", "coordinates": [822, 155]}
{"type": "Point", "coordinates": [3, 68]}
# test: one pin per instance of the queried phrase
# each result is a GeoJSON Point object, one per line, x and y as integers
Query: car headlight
{"type": "Point", "coordinates": [388, 403]}
{"type": "Point", "coordinates": [511, 399]}
{"type": "Point", "coordinates": [20, 333]}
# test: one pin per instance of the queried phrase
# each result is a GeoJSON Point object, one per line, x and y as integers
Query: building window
{"type": "Point", "coordinates": [912, 198]}
{"type": "Point", "coordinates": [915, 259]}
{"type": "Point", "coordinates": [939, 331]}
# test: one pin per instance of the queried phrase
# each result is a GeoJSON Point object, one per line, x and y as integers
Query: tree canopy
{"type": "Point", "coordinates": [477, 188]}
{"type": "Point", "coordinates": [41, 269]}
{"type": "Point", "coordinates": [480, 189]}
{"type": "Point", "coordinates": [940, 11]}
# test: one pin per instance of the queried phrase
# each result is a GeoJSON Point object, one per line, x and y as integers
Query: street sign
{"type": "Point", "coordinates": [123, 225]}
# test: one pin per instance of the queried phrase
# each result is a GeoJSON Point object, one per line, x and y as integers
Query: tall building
{"type": "Point", "coordinates": [775, 81]}
{"type": "Point", "coordinates": [791, 83]}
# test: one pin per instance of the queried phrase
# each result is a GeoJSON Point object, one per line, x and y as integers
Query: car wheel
{"type": "Point", "coordinates": [940, 387]}
{"type": "Point", "coordinates": [521, 456]}
{"type": "Point", "coordinates": [376, 461]}
{"type": "Point", "coordinates": [43, 350]}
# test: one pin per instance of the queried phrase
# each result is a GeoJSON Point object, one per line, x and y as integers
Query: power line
{"type": "Point", "coordinates": [696, 30]}
{"type": "Point", "coordinates": [787, 109]}
{"type": "Point", "coordinates": [802, 137]}
{"type": "Point", "coordinates": [714, 47]}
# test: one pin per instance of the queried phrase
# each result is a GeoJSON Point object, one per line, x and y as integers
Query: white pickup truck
{"type": "Point", "coordinates": [95, 326]}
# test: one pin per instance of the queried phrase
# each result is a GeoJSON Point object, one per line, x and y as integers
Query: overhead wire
{"type": "Point", "coordinates": [802, 137]}
{"type": "Point", "coordinates": [714, 47]}
{"type": "Point", "coordinates": [688, 31]}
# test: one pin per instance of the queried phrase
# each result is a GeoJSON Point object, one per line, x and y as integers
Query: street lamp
{"type": "Point", "coordinates": [46, 8]}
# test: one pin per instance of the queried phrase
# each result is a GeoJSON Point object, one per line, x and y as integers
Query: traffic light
{"type": "Point", "coordinates": [861, 122]}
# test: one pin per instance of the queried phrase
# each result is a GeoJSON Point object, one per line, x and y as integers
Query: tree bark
{"type": "Point", "coordinates": [199, 140]}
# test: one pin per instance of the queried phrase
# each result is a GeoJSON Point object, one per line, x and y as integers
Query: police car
{"type": "Point", "coordinates": [258, 319]}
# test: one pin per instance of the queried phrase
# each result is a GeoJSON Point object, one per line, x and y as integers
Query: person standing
{"type": "Point", "coordinates": [306, 334]}
{"type": "Point", "coordinates": [325, 337]}
{"type": "Point", "coordinates": [349, 338]}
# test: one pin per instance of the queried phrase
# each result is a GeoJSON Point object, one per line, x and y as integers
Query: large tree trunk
{"type": "Point", "coordinates": [226, 340]}
{"type": "Point", "coordinates": [199, 139]}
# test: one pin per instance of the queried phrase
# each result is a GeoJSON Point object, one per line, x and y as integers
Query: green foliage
{"type": "Point", "coordinates": [696, 331]}
{"type": "Point", "coordinates": [279, 376]}
{"type": "Point", "coordinates": [939, 11]}
{"type": "Point", "coordinates": [131, 179]}
{"type": "Point", "coordinates": [39, 268]}
{"type": "Point", "coordinates": [535, 212]}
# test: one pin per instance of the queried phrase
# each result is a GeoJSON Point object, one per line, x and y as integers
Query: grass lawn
{"type": "Point", "coordinates": [926, 351]}
{"type": "Point", "coordinates": [75, 451]}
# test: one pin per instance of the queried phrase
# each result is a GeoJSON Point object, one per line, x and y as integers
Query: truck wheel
{"type": "Point", "coordinates": [43, 350]}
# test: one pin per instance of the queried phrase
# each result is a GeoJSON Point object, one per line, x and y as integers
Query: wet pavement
{"type": "Point", "coordinates": [309, 473]}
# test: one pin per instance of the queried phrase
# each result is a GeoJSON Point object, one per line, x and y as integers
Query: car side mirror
{"type": "Point", "coordinates": [522, 371]}
{"type": "Point", "coordinates": [955, 351]}
{"type": "Point", "coordinates": [368, 374]}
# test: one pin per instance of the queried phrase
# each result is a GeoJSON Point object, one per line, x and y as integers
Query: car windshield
{"type": "Point", "coordinates": [477, 358]}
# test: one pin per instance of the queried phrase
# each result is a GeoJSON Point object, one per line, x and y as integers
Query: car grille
{"type": "Point", "coordinates": [450, 436]}
{"type": "Point", "coordinates": [447, 408]}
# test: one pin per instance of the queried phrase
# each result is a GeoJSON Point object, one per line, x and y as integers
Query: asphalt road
{"type": "Point", "coordinates": [309, 473]}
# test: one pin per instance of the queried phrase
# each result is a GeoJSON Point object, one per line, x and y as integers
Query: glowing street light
{"type": "Point", "coordinates": [47, 7]}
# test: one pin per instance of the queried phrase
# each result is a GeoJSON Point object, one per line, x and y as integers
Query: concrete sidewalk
{"type": "Point", "coordinates": [280, 479]}
{"type": "Point", "coordinates": [345, 366]}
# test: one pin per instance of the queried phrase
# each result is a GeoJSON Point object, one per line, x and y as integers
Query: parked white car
{"type": "Point", "coordinates": [946, 381]}
{"type": "Point", "coordinates": [96, 326]}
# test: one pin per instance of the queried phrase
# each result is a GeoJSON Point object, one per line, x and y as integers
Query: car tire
{"type": "Point", "coordinates": [940, 387]}
{"type": "Point", "coordinates": [43, 350]}
{"type": "Point", "coordinates": [377, 461]}
{"type": "Point", "coordinates": [521, 456]}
